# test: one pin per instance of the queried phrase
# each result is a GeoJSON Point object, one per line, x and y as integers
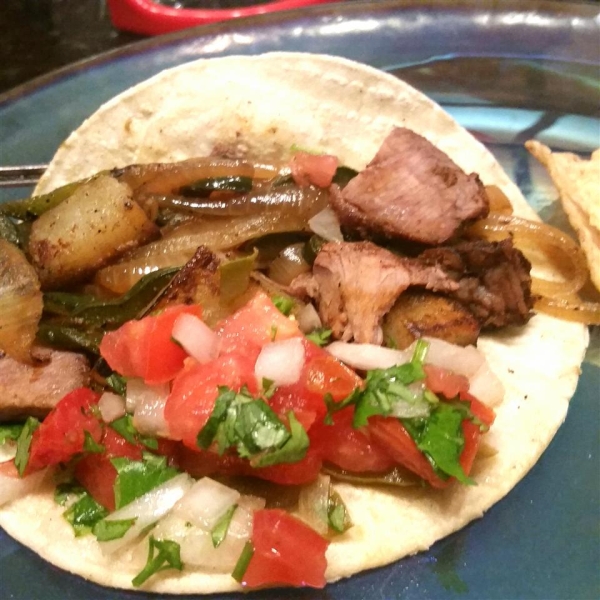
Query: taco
{"type": "Point", "coordinates": [257, 109]}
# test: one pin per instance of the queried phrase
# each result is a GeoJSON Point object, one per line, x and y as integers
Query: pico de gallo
{"type": "Point", "coordinates": [187, 410]}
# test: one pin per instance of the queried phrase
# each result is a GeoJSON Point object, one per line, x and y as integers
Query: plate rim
{"type": "Point", "coordinates": [587, 10]}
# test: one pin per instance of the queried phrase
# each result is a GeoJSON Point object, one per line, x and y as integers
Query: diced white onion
{"type": "Point", "coordinates": [196, 545]}
{"type": "Point", "coordinates": [8, 450]}
{"type": "Point", "coordinates": [147, 509]}
{"type": "Point", "coordinates": [148, 406]}
{"type": "Point", "coordinates": [308, 318]}
{"type": "Point", "coordinates": [196, 337]}
{"type": "Point", "coordinates": [281, 362]}
{"type": "Point", "coordinates": [368, 356]}
{"type": "Point", "coordinates": [467, 361]}
{"type": "Point", "coordinates": [313, 504]}
{"type": "Point", "coordinates": [111, 406]}
{"type": "Point", "coordinates": [206, 502]}
{"type": "Point", "coordinates": [327, 225]}
{"type": "Point", "coordinates": [12, 488]}
{"type": "Point", "coordinates": [486, 386]}
{"type": "Point", "coordinates": [464, 360]}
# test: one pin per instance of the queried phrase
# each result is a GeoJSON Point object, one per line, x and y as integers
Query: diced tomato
{"type": "Point", "coordinates": [472, 432]}
{"type": "Point", "coordinates": [483, 412]}
{"type": "Point", "coordinates": [201, 463]}
{"type": "Point", "coordinates": [286, 552]}
{"type": "Point", "coordinates": [96, 473]}
{"type": "Point", "coordinates": [349, 448]}
{"type": "Point", "coordinates": [298, 473]}
{"type": "Point", "coordinates": [315, 169]}
{"type": "Point", "coordinates": [442, 381]}
{"type": "Point", "coordinates": [250, 328]}
{"type": "Point", "coordinates": [62, 433]}
{"type": "Point", "coordinates": [321, 374]}
{"type": "Point", "coordinates": [392, 437]}
{"type": "Point", "coordinates": [195, 390]}
{"type": "Point", "coordinates": [324, 374]}
{"type": "Point", "coordinates": [145, 349]}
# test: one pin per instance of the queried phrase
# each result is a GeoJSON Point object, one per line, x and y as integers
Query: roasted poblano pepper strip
{"type": "Point", "coordinates": [9, 231]}
{"type": "Point", "coordinates": [204, 187]}
{"type": "Point", "coordinates": [69, 338]}
{"type": "Point", "coordinates": [235, 276]}
{"type": "Point", "coordinates": [312, 248]}
{"type": "Point", "coordinates": [90, 311]}
{"type": "Point", "coordinates": [30, 208]}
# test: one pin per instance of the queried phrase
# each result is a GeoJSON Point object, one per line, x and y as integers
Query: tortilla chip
{"type": "Point", "coordinates": [578, 183]}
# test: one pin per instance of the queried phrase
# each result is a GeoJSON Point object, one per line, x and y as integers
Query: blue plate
{"type": "Point", "coordinates": [507, 71]}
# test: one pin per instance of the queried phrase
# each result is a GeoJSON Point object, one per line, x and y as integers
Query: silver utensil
{"type": "Point", "coordinates": [21, 175]}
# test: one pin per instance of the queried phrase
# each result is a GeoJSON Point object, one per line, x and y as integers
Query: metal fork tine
{"type": "Point", "coordinates": [21, 175]}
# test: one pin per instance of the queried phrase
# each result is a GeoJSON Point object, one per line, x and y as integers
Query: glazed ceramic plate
{"type": "Point", "coordinates": [508, 71]}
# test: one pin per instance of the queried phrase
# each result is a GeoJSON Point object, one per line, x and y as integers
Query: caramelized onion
{"type": "Point", "coordinates": [20, 302]}
{"type": "Point", "coordinates": [546, 246]}
{"type": "Point", "coordinates": [288, 265]}
{"type": "Point", "coordinates": [570, 309]}
{"type": "Point", "coordinates": [499, 202]}
{"type": "Point", "coordinates": [165, 178]}
{"type": "Point", "coordinates": [532, 237]}
{"type": "Point", "coordinates": [120, 277]}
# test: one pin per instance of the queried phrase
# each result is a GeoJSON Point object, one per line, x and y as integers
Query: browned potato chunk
{"type": "Point", "coordinates": [199, 282]}
{"type": "Point", "coordinates": [419, 313]}
{"type": "Point", "coordinates": [96, 224]}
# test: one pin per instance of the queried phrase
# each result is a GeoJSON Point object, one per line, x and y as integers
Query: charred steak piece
{"type": "Point", "coordinates": [493, 279]}
{"type": "Point", "coordinates": [410, 190]}
{"type": "Point", "coordinates": [34, 390]}
{"type": "Point", "coordinates": [355, 284]}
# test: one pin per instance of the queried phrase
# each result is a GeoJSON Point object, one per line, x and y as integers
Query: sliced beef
{"type": "Point", "coordinates": [410, 190]}
{"type": "Point", "coordinates": [34, 390]}
{"type": "Point", "coordinates": [355, 284]}
{"type": "Point", "coordinates": [493, 279]}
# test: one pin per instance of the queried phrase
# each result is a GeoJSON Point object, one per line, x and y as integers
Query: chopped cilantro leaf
{"type": "Point", "coordinates": [136, 477]}
{"type": "Point", "coordinates": [219, 531]}
{"type": "Point", "coordinates": [293, 450]}
{"type": "Point", "coordinates": [249, 424]}
{"type": "Point", "coordinates": [23, 444]}
{"type": "Point", "coordinates": [106, 530]}
{"type": "Point", "coordinates": [273, 332]}
{"type": "Point", "coordinates": [10, 431]}
{"type": "Point", "coordinates": [267, 388]}
{"type": "Point", "coordinates": [384, 388]}
{"type": "Point", "coordinates": [337, 514]}
{"type": "Point", "coordinates": [84, 514]}
{"type": "Point", "coordinates": [320, 336]}
{"type": "Point", "coordinates": [283, 304]}
{"type": "Point", "coordinates": [117, 383]}
{"type": "Point", "coordinates": [124, 426]}
{"type": "Point", "coordinates": [162, 555]}
{"type": "Point", "coordinates": [440, 438]}
{"type": "Point", "coordinates": [65, 491]}
{"type": "Point", "coordinates": [90, 445]}
{"type": "Point", "coordinates": [243, 561]}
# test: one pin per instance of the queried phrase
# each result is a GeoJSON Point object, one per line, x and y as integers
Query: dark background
{"type": "Point", "coordinates": [37, 36]}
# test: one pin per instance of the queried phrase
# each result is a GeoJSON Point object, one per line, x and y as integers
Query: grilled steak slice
{"type": "Point", "coordinates": [493, 279]}
{"type": "Point", "coordinates": [410, 190]}
{"type": "Point", "coordinates": [355, 284]}
{"type": "Point", "coordinates": [34, 390]}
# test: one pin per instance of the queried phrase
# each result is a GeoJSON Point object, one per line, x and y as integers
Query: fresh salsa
{"type": "Point", "coordinates": [153, 452]}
